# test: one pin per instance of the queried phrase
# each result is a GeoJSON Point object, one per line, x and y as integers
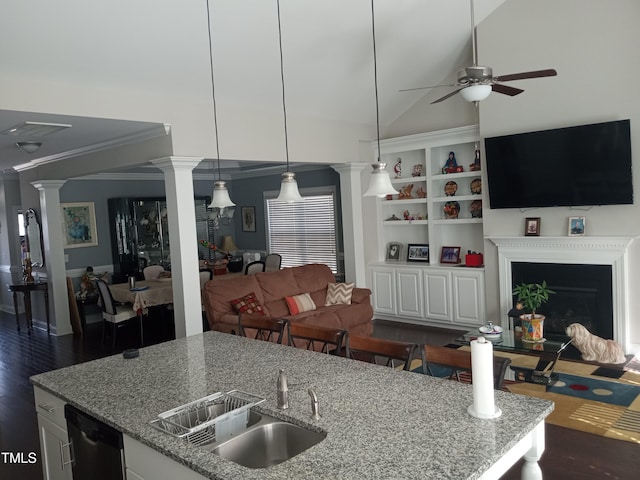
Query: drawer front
{"type": "Point", "coordinates": [50, 406]}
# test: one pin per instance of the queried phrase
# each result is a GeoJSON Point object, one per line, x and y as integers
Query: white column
{"type": "Point", "coordinates": [178, 181]}
{"type": "Point", "coordinates": [352, 226]}
{"type": "Point", "coordinates": [53, 239]}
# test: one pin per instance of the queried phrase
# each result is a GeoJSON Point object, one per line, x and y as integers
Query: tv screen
{"type": "Point", "coordinates": [581, 165]}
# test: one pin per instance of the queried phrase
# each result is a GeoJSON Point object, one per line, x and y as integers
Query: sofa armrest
{"type": "Point", "coordinates": [361, 295]}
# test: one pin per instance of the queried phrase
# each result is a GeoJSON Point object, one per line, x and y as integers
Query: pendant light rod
{"type": "Point", "coordinates": [473, 38]}
{"type": "Point", "coordinates": [284, 106]}
{"type": "Point", "coordinates": [213, 88]}
{"type": "Point", "coordinates": [375, 77]}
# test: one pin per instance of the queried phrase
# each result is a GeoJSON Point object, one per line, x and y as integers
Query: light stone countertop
{"type": "Point", "coordinates": [381, 423]}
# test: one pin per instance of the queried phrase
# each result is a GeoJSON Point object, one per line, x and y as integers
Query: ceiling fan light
{"type": "Point", "coordinates": [380, 183]}
{"type": "Point", "coordinates": [289, 189]}
{"type": "Point", "coordinates": [29, 147]}
{"type": "Point", "coordinates": [475, 93]}
{"type": "Point", "coordinates": [220, 198]}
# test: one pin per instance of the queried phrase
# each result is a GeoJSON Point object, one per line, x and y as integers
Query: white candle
{"type": "Point", "coordinates": [482, 380]}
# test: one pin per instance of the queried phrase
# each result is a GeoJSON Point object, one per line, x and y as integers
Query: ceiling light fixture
{"type": "Point", "coordinates": [29, 147]}
{"type": "Point", "coordinates": [288, 187]}
{"type": "Point", "coordinates": [380, 183]}
{"type": "Point", "coordinates": [220, 198]}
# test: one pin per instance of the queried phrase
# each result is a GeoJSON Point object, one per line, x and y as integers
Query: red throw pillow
{"type": "Point", "coordinates": [248, 304]}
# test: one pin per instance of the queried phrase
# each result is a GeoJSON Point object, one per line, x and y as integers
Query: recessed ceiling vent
{"type": "Point", "coordinates": [35, 129]}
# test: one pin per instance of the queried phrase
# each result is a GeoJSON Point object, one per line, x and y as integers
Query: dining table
{"type": "Point", "coordinates": [147, 293]}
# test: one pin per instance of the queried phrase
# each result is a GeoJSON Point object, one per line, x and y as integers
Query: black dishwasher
{"type": "Point", "coordinates": [96, 449]}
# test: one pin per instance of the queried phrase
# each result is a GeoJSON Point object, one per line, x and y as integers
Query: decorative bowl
{"type": "Point", "coordinates": [491, 331]}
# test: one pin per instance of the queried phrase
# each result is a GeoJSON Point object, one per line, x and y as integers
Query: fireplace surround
{"type": "Point", "coordinates": [601, 251]}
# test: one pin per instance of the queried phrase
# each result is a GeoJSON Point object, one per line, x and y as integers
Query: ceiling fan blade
{"type": "Point", "coordinates": [523, 75]}
{"type": "Point", "coordinates": [506, 89]}
{"type": "Point", "coordinates": [424, 88]}
{"type": "Point", "coordinates": [448, 95]}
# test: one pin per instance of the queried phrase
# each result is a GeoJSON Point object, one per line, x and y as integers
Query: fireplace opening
{"type": "Point", "coordinates": [584, 294]}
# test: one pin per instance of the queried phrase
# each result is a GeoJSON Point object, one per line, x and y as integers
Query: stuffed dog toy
{"type": "Point", "coordinates": [593, 348]}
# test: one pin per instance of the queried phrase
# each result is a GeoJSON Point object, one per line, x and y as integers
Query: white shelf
{"type": "Point", "coordinates": [403, 202]}
{"type": "Point", "coordinates": [405, 222]}
{"type": "Point", "coordinates": [408, 179]}
{"type": "Point", "coordinates": [453, 176]}
{"type": "Point", "coordinates": [457, 198]}
{"type": "Point", "coordinates": [456, 221]}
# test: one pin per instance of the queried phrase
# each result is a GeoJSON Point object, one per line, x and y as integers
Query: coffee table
{"type": "Point", "coordinates": [549, 352]}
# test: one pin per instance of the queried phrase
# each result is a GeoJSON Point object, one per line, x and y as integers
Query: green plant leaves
{"type": "Point", "coordinates": [532, 295]}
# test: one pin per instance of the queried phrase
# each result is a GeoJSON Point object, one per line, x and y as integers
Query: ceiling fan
{"type": "Point", "coordinates": [476, 83]}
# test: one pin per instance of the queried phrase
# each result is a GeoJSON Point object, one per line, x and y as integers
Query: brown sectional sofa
{"type": "Point", "coordinates": [271, 288]}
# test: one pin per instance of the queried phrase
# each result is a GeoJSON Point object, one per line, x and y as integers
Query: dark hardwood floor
{"type": "Point", "coordinates": [569, 454]}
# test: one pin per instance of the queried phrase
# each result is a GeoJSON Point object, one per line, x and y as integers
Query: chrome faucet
{"type": "Point", "coordinates": [315, 415]}
{"type": "Point", "coordinates": [283, 391]}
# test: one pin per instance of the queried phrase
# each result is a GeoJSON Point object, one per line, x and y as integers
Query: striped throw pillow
{"type": "Point", "coordinates": [339, 294]}
{"type": "Point", "coordinates": [300, 303]}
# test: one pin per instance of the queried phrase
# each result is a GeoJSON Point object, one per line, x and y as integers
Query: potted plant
{"type": "Point", "coordinates": [532, 296]}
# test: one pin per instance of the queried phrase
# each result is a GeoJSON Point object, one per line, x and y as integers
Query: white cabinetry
{"type": "Point", "coordinates": [145, 463]}
{"type": "Point", "coordinates": [438, 296]}
{"type": "Point", "coordinates": [54, 441]}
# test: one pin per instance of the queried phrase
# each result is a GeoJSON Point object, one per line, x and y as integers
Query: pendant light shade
{"type": "Point", "coordinates": [288, 187]}
{"type": "Point", "coordinates": [380, 183]}
{"type": "Point", "coordinates": [475, 93]}
{"type": "Point", "coordinates": [220, 198]}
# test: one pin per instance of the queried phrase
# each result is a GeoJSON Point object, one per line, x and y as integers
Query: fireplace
{"type": "Point", "coordinates": [577, 300]}
{"type": "Point", "coordinates": [583, 295]}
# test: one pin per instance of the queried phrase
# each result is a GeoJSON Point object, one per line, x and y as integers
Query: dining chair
{"type": "Point", "coordinates": [374, 350]}
{"type": "Point", "coordinates": [262, 328]}
{"type": "Point", "coordinates": [452, 362]}
{"type": "Point", "coordinates": [272, 262]}
{"type": "Point", "coordinates": [320, 339]}
{"type": "Point", "coordinates": [254, 267]}
{"type": "Point", "coordinates": [152, 272]}
{"type": "Point", "coordinates": [116, 317]}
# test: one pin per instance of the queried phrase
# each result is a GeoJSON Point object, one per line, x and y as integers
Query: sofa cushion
{"type": "Point", "coordinates": [219, 291]}
{"type": "Point", "coordinates": [300, 303]}
{"type": "Point", "coordinates": [312, 277]}
{"type": "Point", "coordinates": [248, 304]}
{"type": "Point", "coordinates": [277, 285]}
{"type": "Point", "coordinates": [339, 294]}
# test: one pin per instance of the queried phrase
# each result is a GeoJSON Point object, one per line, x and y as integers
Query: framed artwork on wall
{"type": "Point", "coordinates": [248, 219]}
{"type": "Point", "coordinates": [79, 224]}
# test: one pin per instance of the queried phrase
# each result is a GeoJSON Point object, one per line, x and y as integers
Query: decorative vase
{"type": "Point", "coordinates": [532, 328]}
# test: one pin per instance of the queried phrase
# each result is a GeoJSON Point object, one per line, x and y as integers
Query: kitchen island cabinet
{"type": "Point", "coordinates": [380, 423]}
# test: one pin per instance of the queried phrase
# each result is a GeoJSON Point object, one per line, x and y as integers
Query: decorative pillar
{"type": "Point", "coordinates": [53, 239]}
{"type": "Point", "coordinates": [352, 226]}
{"type": "Point", "coordinates": [178, 182]}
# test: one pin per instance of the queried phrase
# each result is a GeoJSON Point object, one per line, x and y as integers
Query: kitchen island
{"type": "Point", "coordinates": [380, 423]}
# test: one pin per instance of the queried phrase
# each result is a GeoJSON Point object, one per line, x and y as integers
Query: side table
{"type": "Point", "coordinates": [26, 289]}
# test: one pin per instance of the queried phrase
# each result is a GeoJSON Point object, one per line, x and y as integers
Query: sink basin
{"type": "Point", "coordinates": [268, 443]}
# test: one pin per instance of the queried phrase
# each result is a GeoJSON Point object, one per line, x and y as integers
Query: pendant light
{"type": "Point", "coordinates": [220, 198]}
{"type": "Point", "coordinates": [288, 187]}
{"type": "Point", "coordinates": [380, 183]}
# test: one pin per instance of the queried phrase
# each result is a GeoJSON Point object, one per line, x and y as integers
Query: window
{"type": "Point", "coordinates": [303, 232]}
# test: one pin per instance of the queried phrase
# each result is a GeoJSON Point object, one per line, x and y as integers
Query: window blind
{"type": "Point", "coordinates": [303, 232]}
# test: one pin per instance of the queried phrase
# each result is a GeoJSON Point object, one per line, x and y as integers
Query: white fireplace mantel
{"type": "Point", "coordinates": [572, 250]}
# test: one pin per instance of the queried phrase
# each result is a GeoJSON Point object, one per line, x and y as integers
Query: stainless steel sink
{"type": "Point", "coordinates": [270, 442]}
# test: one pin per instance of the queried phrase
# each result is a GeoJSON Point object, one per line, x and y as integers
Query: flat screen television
{"type": "Point", "coordinates": [573, 166]}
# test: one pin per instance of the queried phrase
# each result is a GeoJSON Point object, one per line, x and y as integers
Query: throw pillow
{"type": "Point", "coordinates": [339, 293]}
{"type": "Point", "coordinates": [248, 304]}
{"type": "Point", "coordinates": [300, 303]}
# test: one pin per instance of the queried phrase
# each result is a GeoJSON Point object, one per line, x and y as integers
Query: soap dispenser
{"type": "Point", "coordinates": [283, 391]}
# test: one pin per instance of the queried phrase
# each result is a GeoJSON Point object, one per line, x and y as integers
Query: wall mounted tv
{"type": "Point", "coordinates": [573, 166]}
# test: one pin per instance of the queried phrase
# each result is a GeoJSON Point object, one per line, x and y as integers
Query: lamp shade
{"type": "Point", "coordinates": [228, 245]}
{"type": "Point", "coordinates": [289, 189]}
{"type": "Point", "coordinates": [475, 93]}
{"type": "Point", "coordinates": [380, 183]}
{"type": "Point", "coordinates": [220, 198]}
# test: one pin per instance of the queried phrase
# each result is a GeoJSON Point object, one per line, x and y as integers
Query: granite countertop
{"type": "Point", "coordinates": [380, 423]}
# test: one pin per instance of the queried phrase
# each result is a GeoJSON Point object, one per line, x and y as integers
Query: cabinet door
{"type": "Point", "coordinates": [146, 463]}
{"type": "Point", "coordinates": [468, 297]}
{"type": "Point", "coordinates": [437, 301]}
{"type": "Point", "coordinates": [53, 445]}
{"type": "Point", "coordinates": [409, 292]}
{"type": "Point", "coordinates": [384, 290]}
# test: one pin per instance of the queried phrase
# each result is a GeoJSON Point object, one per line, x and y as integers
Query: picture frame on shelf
{"type": "Point", "coordinates": [576, 226]}
{"type": "Point", "coordinates": [532, 227]}
{"type": "Point", "coordinates": [79, 224]}
{"type": "Point", "coordinates": [394, 250]}
{"type": "Point", "coordinates": [418, 252]}
{"type": "Point", "coordinates": [450, 255]}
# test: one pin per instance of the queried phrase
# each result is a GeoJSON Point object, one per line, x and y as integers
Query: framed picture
{"type": "Point", "coordinates": [576, 226]}
{"type": "Point", "coordinates": [532, 227]}
{"type": "Point", "coordinates": [418, 253]}
{"type": "Point", "coordinates": [450, 255]}
{"type": "Point", "coordinates": [248, 219]}
{"type": "Point", "coordinates": [79, 225]}
{"type": "Point", "coordinates": [394, 250]}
